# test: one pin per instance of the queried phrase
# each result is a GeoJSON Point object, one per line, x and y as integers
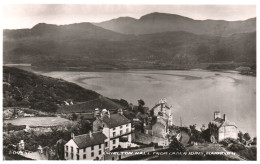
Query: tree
{"type": "Point", "coordinates": [74, 117]}
{"type": "Point", "coordinates": [176, 146]}
{"type": "Point", "coordinates": [254, 141]}
{"type": "Point", "coordinates": [240, 136]}
{"type": "Point", "coordinates": [196, 135]}
{"type": "Point", "coordinates": [141, 104]}
{"type": "Point", "coordinates": [247, 137]}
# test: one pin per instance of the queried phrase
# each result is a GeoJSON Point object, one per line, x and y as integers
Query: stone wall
{"type": "Point", "coordinates": [148, 139]}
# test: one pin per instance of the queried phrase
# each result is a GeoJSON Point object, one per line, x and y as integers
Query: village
{"type": "Point", "coordinates": [122, 134]}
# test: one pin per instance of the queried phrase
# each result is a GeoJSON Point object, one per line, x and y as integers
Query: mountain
{"type": "Point", "coordinates": [26, 89]}
{"type": "Point", "coordinates": [163, 22]}
{"type": "Point", "coordinates": [72, 31]}
{"type": "Point", "coordinates": [84, 46]}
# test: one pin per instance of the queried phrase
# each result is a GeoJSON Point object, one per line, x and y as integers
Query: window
{"type": "Point", "coordinates": [121, 127]}
{"type": "Point", "coordinates": [71, 155]}
{"type": "Point", "coordinates": [67, 154]}
{"type": "Point", "coordinates": [106, 144]}
{"type": "Point", "coordinates": [121, 132]}
{"type": "Point", "coordinates": [77, 150]}
{"type": "Point", "coordinates": [114, 128]}
{"type": "Point", "coordinates": [114, 134]}
{"type": "Point", "coordinates": [77, 157]}
{"type": "Point", "coordinates": [127, 125]}
{"type": "Point", "coordinates": [127, 130]}
{"type": "Point", "coordinates": [113, 158]}
{"type": "Point", "coordinates": [67, 148]}
{"type": "Point", "coordinates": [99, 152]}
{"type": "Point", "coordinates": [92, 154]}
{"type": "Point", "coordinates": [114, 141]}
{"type": "Point", "coordinates": [99, 146]}
{"type": "Point", "coordinates": [92, 147]}
{"type": "Point", "coordinates": [84, 156]}
{"type": "Point", "coordinates": [84, 149]}
{"type": "Point", "coordinates": [114, 147]}
{"type": "Point", "coordinates": [71, 148]}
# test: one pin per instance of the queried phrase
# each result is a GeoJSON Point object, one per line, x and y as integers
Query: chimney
{"type": "Point", "coordinates": [40, 149]}
{"type": "Point", "coordinates": [108, 114]}
{"type": "Point", "coordinates": [217, 114]}
{"type": "Point", "coordinates": [72, 136]}
{"type": "Point", "coordinates": [96, 113]}
{"type": "Point", "coordinates": [90, 134]}
{"type": "Point", "coordinates": [21, 145]}
{"type": "Point", "coordinates": [120, 111]}
{"type": "Point", "coordinates": [225, 117]}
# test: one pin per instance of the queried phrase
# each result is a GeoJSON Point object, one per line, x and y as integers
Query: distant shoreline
{"type": "Point", "coordinates": [30, 67]}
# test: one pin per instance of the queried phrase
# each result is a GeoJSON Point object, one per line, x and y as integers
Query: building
{"type": "Point", "coordinates": [42, 153]}
{"type": "Point", "coordinates": [60, 149]}
{"type": "Point", "coordinates": [89, 146]}
{"type": "Point", "coordinates": [221, 128]}
{"type": "Point", "coordinates": [160, 128]}
{"type": "Point", "coordinates": [162, 109]}
{"type": "Point", "coordinates": [116, 127]}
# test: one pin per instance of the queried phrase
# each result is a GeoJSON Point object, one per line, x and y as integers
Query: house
{"type": "Point", "coordinates": [160, 128]}
{"type": "Point", "coordinates": [40, 154]}
{"type": "Point", "coordinates": [89, 146]}
{"type": "Point", "coordinates": [221, 128]}
{"type": "Point", "coordinates": [60, 149]}
{"type": "Point", "coordinates": [115, 127]}
{"type": "Point", "coordinates": [162, 109]}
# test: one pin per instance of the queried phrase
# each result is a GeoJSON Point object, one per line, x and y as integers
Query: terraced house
{"type": "Point", "coordinates": [116, 127]}
{"type": "Point", "coordinates": [109, 132]}
{"type": "Point", "coordinates": [89, 146]}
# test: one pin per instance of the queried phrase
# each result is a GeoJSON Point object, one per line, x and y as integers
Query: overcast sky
{"type": "Point", "coordinates": [26, 16]}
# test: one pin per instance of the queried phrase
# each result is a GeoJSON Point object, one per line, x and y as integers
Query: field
{"type": "Point", "coordinates": [38, 121]}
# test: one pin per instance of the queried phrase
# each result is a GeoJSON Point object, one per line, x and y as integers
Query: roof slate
{"type": "Point", "coordinates": [115, 120]}
{"type": "Point", "coordinates": [221, 122]}
{"type": "Point", "coordinates": [86, 140]}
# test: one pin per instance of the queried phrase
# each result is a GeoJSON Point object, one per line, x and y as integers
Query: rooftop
{"type": "Point", "coordinates": [115, 120]}
{"type": "Point", "coordinates": [221, 122]}
{"type": "Point", "coordinates": [87, 140]}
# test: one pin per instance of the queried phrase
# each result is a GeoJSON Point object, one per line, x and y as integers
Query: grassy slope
{"type": "Point", "coordinates": [26, 89]}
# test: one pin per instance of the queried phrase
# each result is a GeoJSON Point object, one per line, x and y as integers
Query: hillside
{"type": "Point", "coordinates": [26, 89]}
{"type": "Point", "coordinates": [163, 22]}
{"type": "Point", "coordinates": [85, 46]}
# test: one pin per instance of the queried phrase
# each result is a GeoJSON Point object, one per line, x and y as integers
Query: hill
{"type": "Point", "coordinates": [89, 106]}
{"type": "Point", "coordinates": [26, 89]}
{"type": "Point", "coordinates": [164, 22]}
{"type": "Point", "coordinates": [85, 46]}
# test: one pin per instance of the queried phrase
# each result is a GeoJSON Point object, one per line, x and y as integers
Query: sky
{"type": "Point", "coordinates": [18, 16]}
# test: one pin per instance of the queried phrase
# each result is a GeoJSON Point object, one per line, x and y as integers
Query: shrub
{"type": "Point", "coordinates": [228, 141]}
{"type": "Point", "coordinates": [237, 147]}
{"type": "Point", "coordinates": [176, 146]}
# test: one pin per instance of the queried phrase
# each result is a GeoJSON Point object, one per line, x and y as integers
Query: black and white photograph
{"type": "Point", "coordinates": [132, 82]}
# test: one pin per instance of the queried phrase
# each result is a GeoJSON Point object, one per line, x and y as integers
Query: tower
{"type": "Point", "coordinates": [217, 114]}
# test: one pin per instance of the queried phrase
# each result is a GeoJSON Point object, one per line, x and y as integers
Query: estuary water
{"type": "Point", "coordinates": [194, 94]}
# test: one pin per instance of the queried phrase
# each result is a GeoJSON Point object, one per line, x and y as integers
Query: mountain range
{"type": "Point", "coordinates": [163, 22]}
{"type": "Point", "coordinates": [156, 40]}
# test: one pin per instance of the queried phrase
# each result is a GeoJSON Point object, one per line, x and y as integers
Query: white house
{"type": "Point", "coordinates": [89, 146]}
{"type": "Point", "coordinates": [164, 110]}
{"type": "Point", "coordinates": [116, 127]}
{"type": "Point", "coordinates": [221, 128]}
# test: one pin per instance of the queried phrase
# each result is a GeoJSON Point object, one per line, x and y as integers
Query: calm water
{"type": "Point", "coordinates": [194, 95]}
